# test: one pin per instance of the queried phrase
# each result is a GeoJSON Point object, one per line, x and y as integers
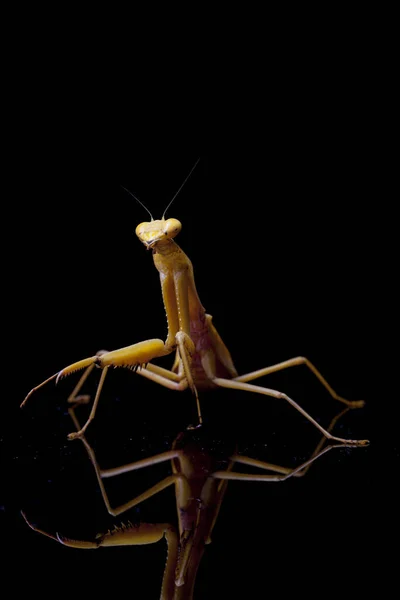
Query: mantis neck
{"type": "Point", "coordinates": [166, 248]}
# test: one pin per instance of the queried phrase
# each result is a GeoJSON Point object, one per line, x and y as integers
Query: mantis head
{"type": "Point", "coordinates": [152, 232]}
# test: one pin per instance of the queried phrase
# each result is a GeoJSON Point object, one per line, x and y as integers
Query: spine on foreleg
{"type": "Point", "coordinates": [137, 354]}
{"type": "Point", "coordinates": [78, 366]}
{"type": "Point", "coordinates": [131, 356]}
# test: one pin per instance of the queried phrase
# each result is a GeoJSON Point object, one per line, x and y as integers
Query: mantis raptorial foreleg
{"type": "Point", "coordinates": [155, 373]}
{"type": "Point", "coordinates": [135, 357]}
{"type": "Point", "coordinates": [165, 377]}
{"type": "Point", "coordinates": [130, 535]}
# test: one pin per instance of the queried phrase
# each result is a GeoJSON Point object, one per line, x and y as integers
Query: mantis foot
{"type": "Point", "coordinates": [76, 434]}
{"type": "Point", "coordinates": [355, 442]}
{"type": "Point", "coordinates": [81, 399]}
{"type": "Point", "coordinates": [356, 403]}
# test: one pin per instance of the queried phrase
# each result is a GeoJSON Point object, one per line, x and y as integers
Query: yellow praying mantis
{"type": "Point", "coordinates": [200, 474]}
{"type": "Point", "coordinates": [202, 360]}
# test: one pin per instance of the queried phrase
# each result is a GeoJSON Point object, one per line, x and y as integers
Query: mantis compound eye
{"type": "Point", "coordinates": [172, 227]}
{"type": "Point", "coordinates": [140, 229]}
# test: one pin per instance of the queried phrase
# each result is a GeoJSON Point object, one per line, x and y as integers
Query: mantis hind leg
{"type": "Point", "coordinates": [283, 472]}
{"type": "Point", "coordinates": [208, 364]}
{"type": "Point", "coordinates": [247, 387]}
{"type": "Point", "coordinates": [299, 472]}
{"type": "Point", "coordinates": [300, 360]}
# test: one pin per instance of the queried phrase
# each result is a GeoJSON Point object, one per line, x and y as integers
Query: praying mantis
{"type": "Point", "coordinates": [201, 470]}
{"type": "Point", "coordinates": [202, 360]}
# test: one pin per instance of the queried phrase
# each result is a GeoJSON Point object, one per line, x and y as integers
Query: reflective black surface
{"type": "Point", "coordinates": [283, 250]}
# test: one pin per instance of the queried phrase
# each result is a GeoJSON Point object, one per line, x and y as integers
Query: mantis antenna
{"type": "Point", "coordinates": [141, 203]}
{"type": "Point", "coordinates": [184, 181]}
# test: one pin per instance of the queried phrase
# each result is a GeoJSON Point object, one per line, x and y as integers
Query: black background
{"type": "Point", "coordinates": [285, 221]}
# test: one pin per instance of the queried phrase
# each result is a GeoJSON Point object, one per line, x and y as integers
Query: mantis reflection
{"type": "Point", "coordinates": [200, 474]}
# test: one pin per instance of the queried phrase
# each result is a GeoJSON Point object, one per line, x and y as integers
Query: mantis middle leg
{"type": "Point", "coordinates": [101, 474]}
